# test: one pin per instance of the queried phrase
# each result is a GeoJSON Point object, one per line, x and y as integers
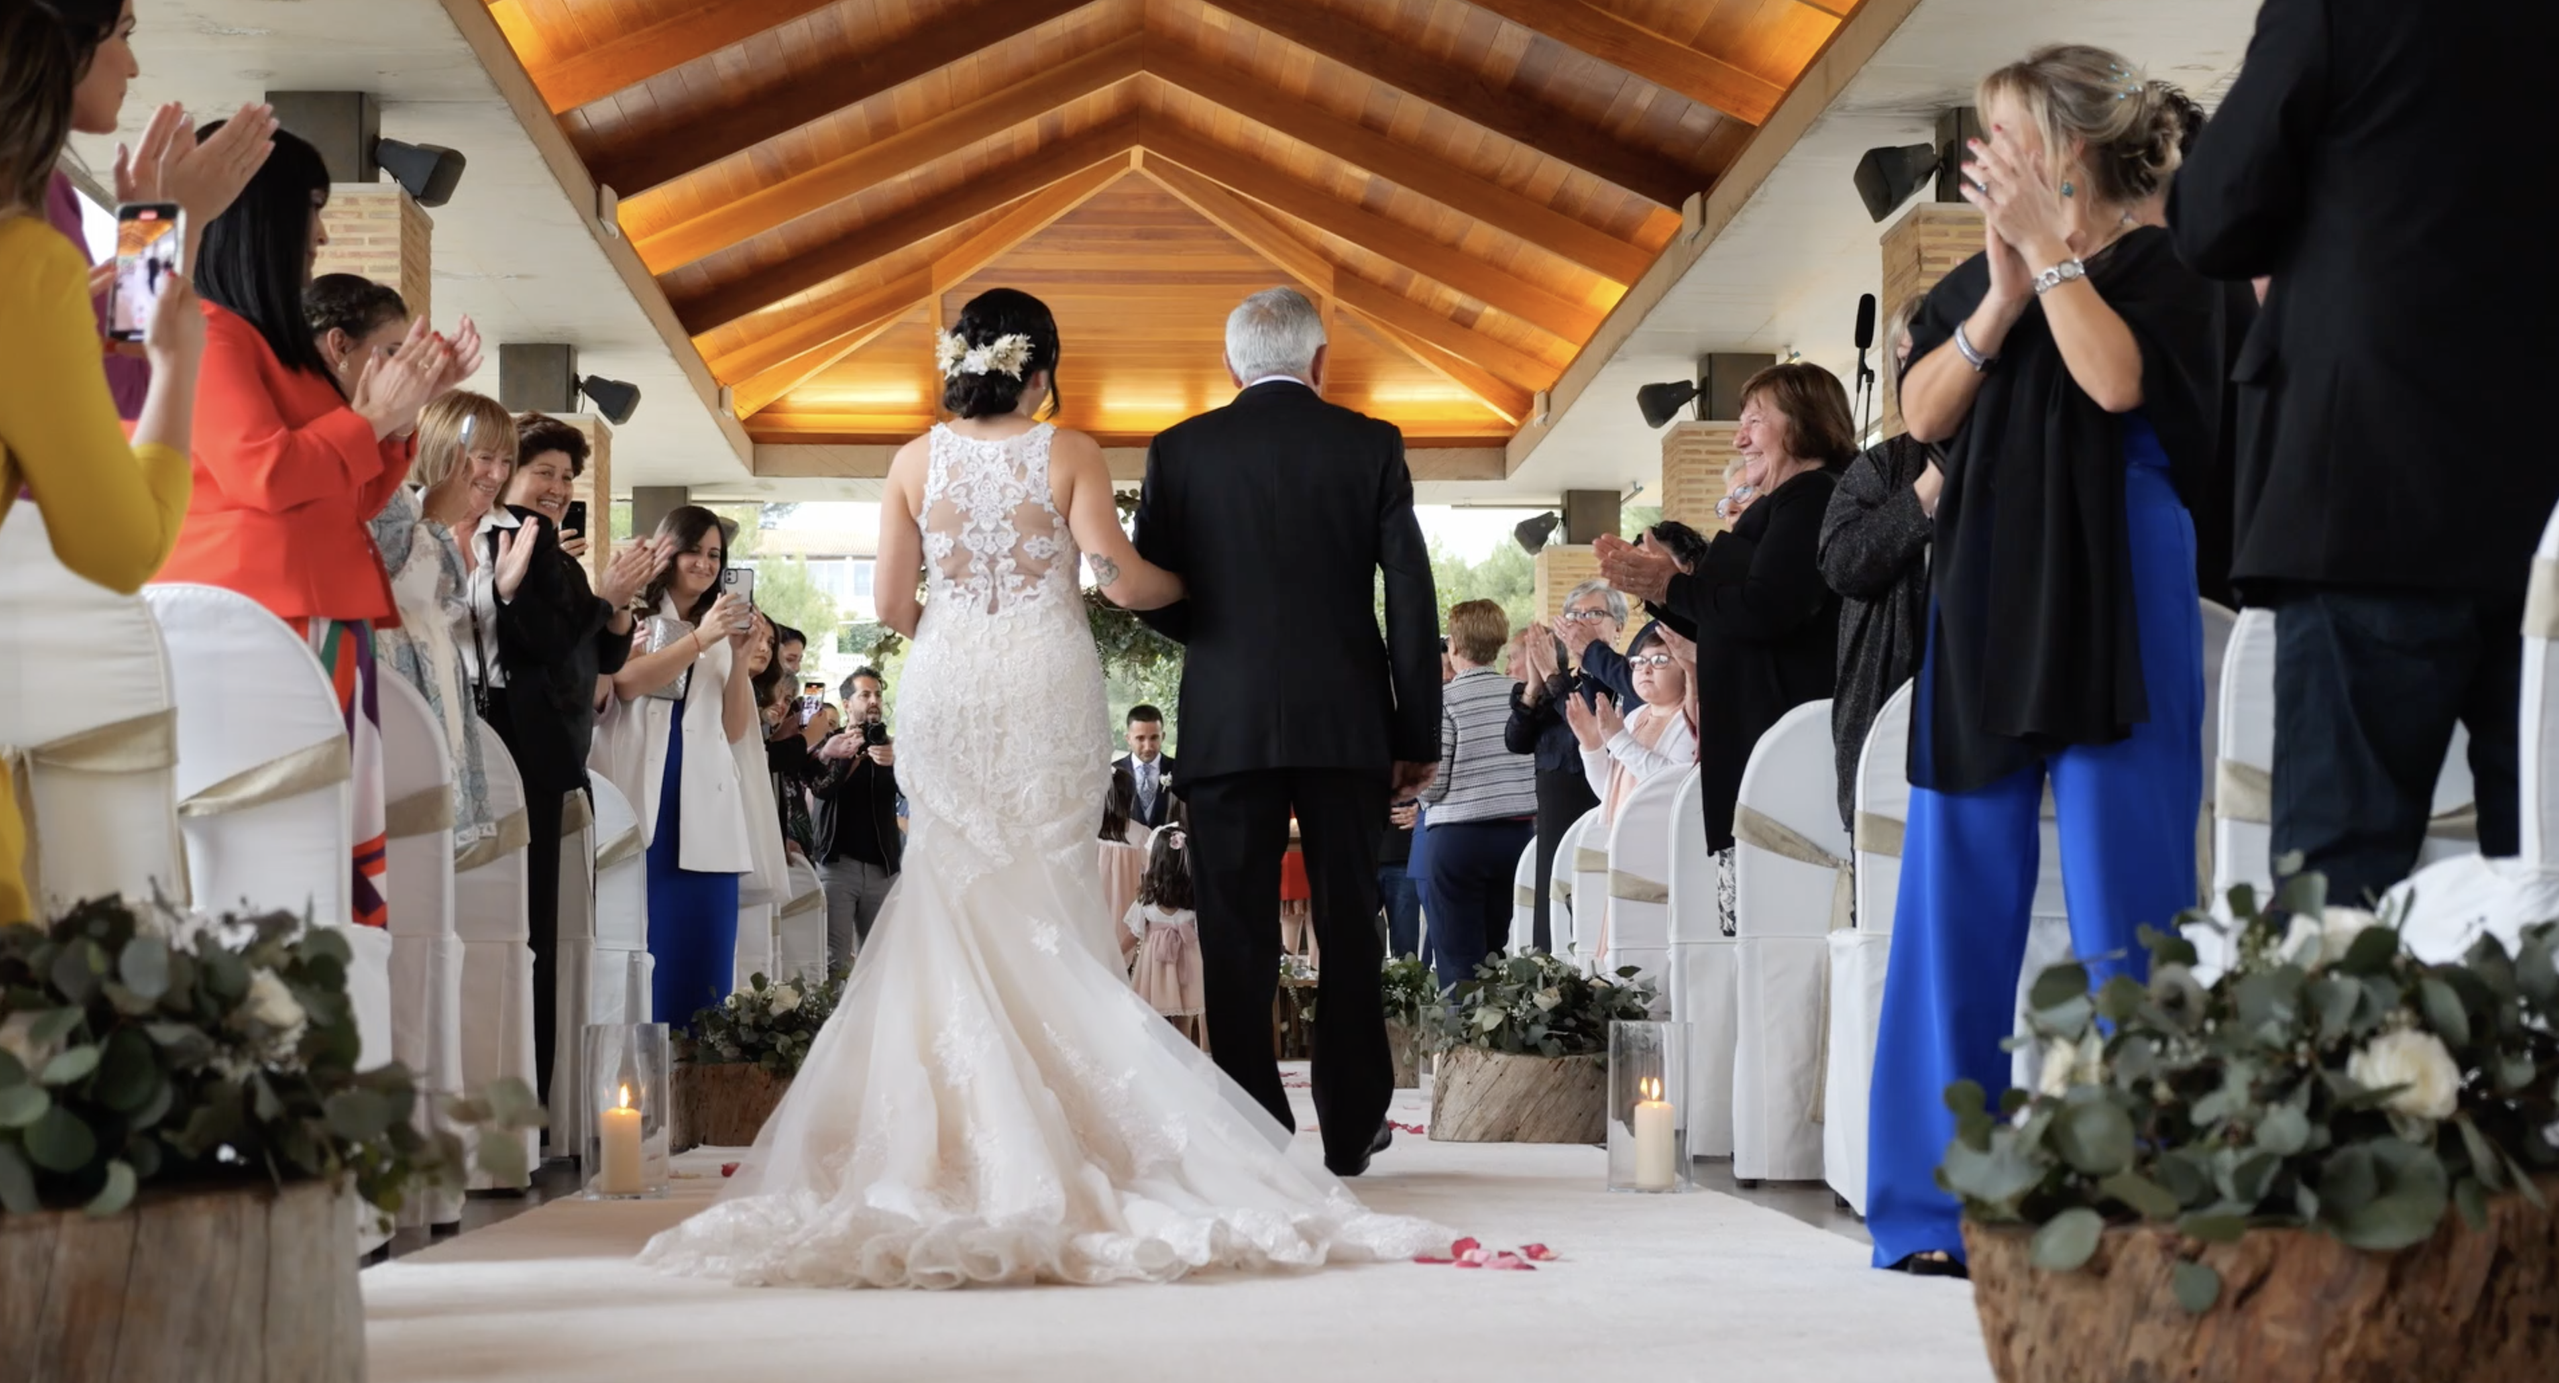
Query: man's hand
{"type": "Point", "coordinates": [1643, 572]}
{"type": "Point", "coordinates": [840, 748]}
{"type": "Point", "coordinates": [1412, 778]}
{"type": "Point", "coordinates": [885, 755]}
{"type": "Point", "coordinates": [1403, 817]}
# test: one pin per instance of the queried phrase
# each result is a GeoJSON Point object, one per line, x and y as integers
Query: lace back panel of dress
{"type": "Point", "coordinates": [992, 538]}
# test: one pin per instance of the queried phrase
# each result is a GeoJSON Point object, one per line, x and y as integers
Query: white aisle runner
{"type": "Point", "coordinates": [1701, 1286]}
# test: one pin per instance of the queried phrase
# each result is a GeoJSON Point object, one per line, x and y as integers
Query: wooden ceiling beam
{"type": "Point", "coordinates": [635, 55]}
{"type": "Point", "coordinates": [801, 272]}
{"type": "Point", "coordinates": [1630, 47]}
{"type": "Point", "coordinates": [1238, 218]}
{"type": "Point", "coordinates": [1464, 93]}
{"type": "Point", "coordinates": [1507, 363]}
{"type": "Point", "coordinates": [1508, 400]}
{"type": "Point", "coordinates": [1241, 93]}
{"type": "Point", "coordinates": [1390, 240]}
{"type": "Point", "coordinates": [647, 163]}
{"type": "Point", "coordinates": [780, 362]}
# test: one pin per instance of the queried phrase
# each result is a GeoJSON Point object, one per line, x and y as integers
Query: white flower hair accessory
{"type": "Point", "coordinates": [1005, 355]}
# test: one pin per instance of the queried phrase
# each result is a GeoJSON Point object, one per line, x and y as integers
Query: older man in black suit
{"type": "Point", "coordinates": [2390, 493]}
{"type": "Point", "coordinates": [1279, 511]}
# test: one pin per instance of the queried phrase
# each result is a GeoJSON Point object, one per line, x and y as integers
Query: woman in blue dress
{"type": "Point", "coordinates": [2070, 370]}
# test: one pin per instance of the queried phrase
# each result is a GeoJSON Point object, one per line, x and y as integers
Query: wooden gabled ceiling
{"type": "Point", "coordinates": [1467, 188]}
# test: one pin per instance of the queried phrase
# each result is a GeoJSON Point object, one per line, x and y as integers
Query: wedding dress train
{"type": "Point", "coordinates": [992, 1102]}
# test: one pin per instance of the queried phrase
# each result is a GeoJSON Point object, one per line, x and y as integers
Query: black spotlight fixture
{"type": "Point", "coordinates": [1662, 402]}
{"type": "Point", "coordinates": [1534, 534]}
{"type": "Point", "coordinates": [1886, 177]}
{"type": "Point", "coordinates": [430, 172]}
{"type": "Point", "coordinates": [614, 399]}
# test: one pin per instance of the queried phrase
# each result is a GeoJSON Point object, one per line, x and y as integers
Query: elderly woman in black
{"type": "Point", "coordinates": [555, 640]}
{"type": "Point", "coordinates": [1874, 552]}
{"type": "Point", "coordinates": [2072, 371]}
{"type": "Point", "coordinates": [1765, 625]}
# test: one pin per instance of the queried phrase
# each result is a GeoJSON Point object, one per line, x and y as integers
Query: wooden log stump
{"type": "Point", "coordinates": [721, 1104]}
{"type": "Point", "coordinates": [2296, 1306]}
{"type": "Point", "coordinates": [1405, 1046]}
{"type": "Point", "coordinates": [241, 1285]}
{"type": "Point", "coordinates": [1480, 1096]}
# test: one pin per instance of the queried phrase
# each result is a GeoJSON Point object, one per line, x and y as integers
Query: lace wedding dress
{"type": "Point", "coordinates": [992, 1102]}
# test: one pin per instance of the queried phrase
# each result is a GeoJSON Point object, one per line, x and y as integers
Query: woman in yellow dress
{"type": "Point", "coordinates": [112, 507]}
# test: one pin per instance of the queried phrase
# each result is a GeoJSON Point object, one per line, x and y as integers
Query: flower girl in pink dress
{"type": "Point", "coordinates": [1161, 934]}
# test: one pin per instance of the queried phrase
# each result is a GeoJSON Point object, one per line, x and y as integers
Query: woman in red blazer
{"type": "Point", "coordinates": [290, 466]}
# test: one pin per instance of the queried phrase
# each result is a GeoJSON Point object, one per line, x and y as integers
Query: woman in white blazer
{"type": "Point", "coordinates": [668, 740]}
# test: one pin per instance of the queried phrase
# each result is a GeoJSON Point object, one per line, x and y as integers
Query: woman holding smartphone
{"type": "Point", "coordinates": [112, 507]}
{"type": "Point", "coordinates": [679, 707]}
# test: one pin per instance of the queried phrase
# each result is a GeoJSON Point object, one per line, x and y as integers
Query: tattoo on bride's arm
{"type": "Point", "coordinates": [1105, 570]}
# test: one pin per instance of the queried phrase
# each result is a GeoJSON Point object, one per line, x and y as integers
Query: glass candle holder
{"type": "Point", "coordinates": [628, 1092]}
{"type": "Point", "coordinates": [1647, 1127]}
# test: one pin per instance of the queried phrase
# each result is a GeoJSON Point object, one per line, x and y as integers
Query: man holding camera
{"type": "Point", "coordinates": [860, 846]}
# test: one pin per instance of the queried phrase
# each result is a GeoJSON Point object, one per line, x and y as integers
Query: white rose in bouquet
{"type": "Point", "coordinates": [785, 999]}
{"type": "Point", "coordinates": [271, 1005]}
{"type": "Point", "coordinates": [2415, 1061]}
{"type": "Point", "coordinates": [2305, 944]}
{"type": "Point", "coordinates": [2060, 1059]}
{"type": "Point", "coordinates": [2338, 928]}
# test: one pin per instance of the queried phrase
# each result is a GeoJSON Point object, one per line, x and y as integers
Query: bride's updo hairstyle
{"type": "Point", "coordinates": [1003, 337]}
{"type": "Point", "coordinates": [2127, 129]}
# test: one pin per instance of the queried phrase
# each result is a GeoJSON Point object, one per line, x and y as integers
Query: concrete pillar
{"type": "Point", "coordinates": [1590, 513]}
{"type": "Point", "coordinates": [1921, 248]}
{"type": "Point", "coordinates": [651, 503]}
{"type": "Point", "coordinates": [595, 486]}
{"type": "Point", "coordinates": [378, 231]}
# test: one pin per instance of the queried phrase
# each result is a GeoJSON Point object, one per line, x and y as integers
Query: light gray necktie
{"type": "Point", "coordinates": [1146, 789]}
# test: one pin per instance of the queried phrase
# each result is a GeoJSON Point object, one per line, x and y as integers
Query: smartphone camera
{"type": "Point", "coordinates": [574, 520]}
{"type": "Point", "coordinates": [150, 237]}
{"type": "Point", "coordinates": [739, 582]}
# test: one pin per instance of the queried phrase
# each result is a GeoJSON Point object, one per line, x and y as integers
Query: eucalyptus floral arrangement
{"type": "Point", "coordinates": [142, 1048]}
{"type": "Point", "coordinates": [1534, 1004]}
{"type": "Point", "coordinates": [2329, 1080]}
{"type": "Point", "coordinates": [767, 1024]}
{"type": "Point", "coordinates": [1409, 990]}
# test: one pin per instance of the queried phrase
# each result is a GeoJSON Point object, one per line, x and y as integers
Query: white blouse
{"type": "Point", "coordinates": [1675, 751]}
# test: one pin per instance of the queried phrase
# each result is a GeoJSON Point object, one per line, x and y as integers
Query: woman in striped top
{"type": "Point", "coordinates": [1483, 803]}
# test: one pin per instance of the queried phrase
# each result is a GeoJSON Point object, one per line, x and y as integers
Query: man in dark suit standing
{"type": "Point", "coordinates": [2390, 493]}
{"type": "Point", "coordinates": [1279, 510]}
{"type": "Point", "coordinates": [1148, 766]}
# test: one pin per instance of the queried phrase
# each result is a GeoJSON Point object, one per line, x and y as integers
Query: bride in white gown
{"type": "Point", "coordinates": [992, 1103]}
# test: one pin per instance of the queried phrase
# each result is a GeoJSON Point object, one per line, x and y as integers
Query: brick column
{"type": "Point", "coordinates": [378, 231]}
{"type": "Point", "coordinates": [1560, 568]}
{"type": "Point", "coordinates": [1697, 458]}
{"type": "Point", "coordinates": [1921, 248]}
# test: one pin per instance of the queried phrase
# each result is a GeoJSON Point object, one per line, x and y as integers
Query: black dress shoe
{"type": "Point", "coordinates": [1385, 1137]}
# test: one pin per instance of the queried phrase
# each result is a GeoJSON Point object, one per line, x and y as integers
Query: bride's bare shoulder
{"type": "Point", "coordinates": [907, 469]}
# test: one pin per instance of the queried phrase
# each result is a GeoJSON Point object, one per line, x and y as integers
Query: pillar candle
{"type": "Point", "coordinates": [619, 1134]}
{"type": "Point", "coordinates": [1656, 1142]}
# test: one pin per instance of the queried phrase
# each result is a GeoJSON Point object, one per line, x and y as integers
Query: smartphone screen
{"type": "Point", "coordinates": [574, 521]}
{"type": "Point", "coordinates": [150, 236]}
{"type": "Point", "coordinates": [740, 582]}
{"type": "Point", "coordinates": [810, 706]}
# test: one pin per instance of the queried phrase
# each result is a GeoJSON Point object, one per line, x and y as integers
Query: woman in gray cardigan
{"type": "Point", "coordinates": [1874, 553]}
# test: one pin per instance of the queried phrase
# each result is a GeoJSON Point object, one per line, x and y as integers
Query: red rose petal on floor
{"type": "Point", "coordinates": [1426, 1258]}
{"type": "Point", "coordinates": [728, 1169]}
{"type": "Point", "coordinates": [1538, 1253]}
{"type": "Point", "coordinates": [1464, 1247]}
{"type": "Point", "coordinates": [1469, 1263]}
{"type": "Point", "coordinates": [1511, 1262]}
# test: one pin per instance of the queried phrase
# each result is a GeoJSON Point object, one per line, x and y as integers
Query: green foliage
{"type": "Point", "coordinates": [1410, 991]}
{"type": "Point", "coordinates": [785, 590]}
{"type": "Point", "coordinates": [2330, 1080]}
{"type": "Point", "coordinates": [765, 1023]}
{"type": "Point", "coordinates": [1533, 1004]}
{"type": "Point", "coordinates": [141, 1049]}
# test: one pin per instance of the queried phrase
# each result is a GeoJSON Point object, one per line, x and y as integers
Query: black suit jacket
{"type": "Point", "coordinates": [1163, 800]}
{"type": "Point", "coordinates": [2366, 159]}
{"type": "Point", "coordinates": [554, 641]}
{"type": "Point", "coordinates": [1278, 511]}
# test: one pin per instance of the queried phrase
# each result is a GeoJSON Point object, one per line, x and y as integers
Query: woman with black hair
{"type": "Point", "coordinates": [990, 1009]}
{"type": "Point", "coordinates": [291, 465]}
{"type": "Point", "coordinates": [668, 740]}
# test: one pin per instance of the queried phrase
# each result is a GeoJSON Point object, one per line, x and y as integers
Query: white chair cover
{"type": "Point", "coordinates": [1588, 841]}
{"type": "Point", "coordinates": [1860, 955]}
{"type": "Point", "coordinates": [799, 928]}
{"type": "Point", "coordinates": [574, 976]}
{"type": "Point", "coordinates": [491, 918]}
{"type": "Point", "coordinates": [1785, 908]}
{"type": "Point", "coordinates": [1702, 971]}
{"type": "Point", "coordinates": [1524, 901]}
{"type": "Point", "coordinates": [621, 973]}
{"type": "Point", "coordinates": [257, 706]}
{"type": "Point", "coordinates": [426, 956]}
{"type": "Point", "coordinates": [1639, 854]}
{"type": "Point", "coordinates": [1561, 891]}
{"type": "Point", "coordinates": [2449, 905]}
{"type": "Point", "coordinates": [753, 955]}
{"type": "Point", "coordinates": [85, 699]}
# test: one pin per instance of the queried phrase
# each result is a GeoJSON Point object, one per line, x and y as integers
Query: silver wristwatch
{"type": "Point", "coordinates": [2058, 275]}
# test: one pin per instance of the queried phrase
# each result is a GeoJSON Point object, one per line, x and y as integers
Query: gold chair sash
{"type": "Point", "coordinates": [2541, 600]}
{"type": "Point", "coordinates": [812, 901]}
{"type": "Point", "coordinates": [143, 744]}
{"type": "Point", "coordinates": [2245, 792]}
{"type": "Point", "coordinates": [421, 813]}
{"type": "Point", "coordinates": [513, 833]}
{"type": "Point", "coordinates": [1878, 834]}
{"type": "Point", "coordinates": [576, 814]}
{"type": "Point", "coordinates": [1523, 896]}
{"type": "Point", "coordinates": [1757, 829]}
{"type": "Point", "coordinates": [618, 849]}
{"type": "Point", "coordinates": [1635, 888]}
{"type": "Point", "coordinates": [1589, 861]}
{"type": "Point", "coordinates": [308, 769]}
